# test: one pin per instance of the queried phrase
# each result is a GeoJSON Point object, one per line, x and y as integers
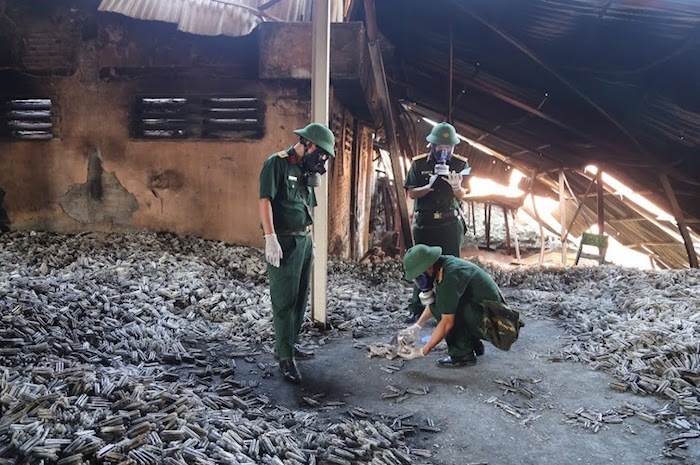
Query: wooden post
{"type": "Point", "coordinates": [505, 218]}
{"type": "Point", "coordinates": [471, 202]}
{"type": "Point", "coordinates": [515, 236]}
{"type": "Point", "coordinates": [467, 215]}
{"type": "Point", "coordinates": [531, 191]}
{"type": "Point", "coordinates": [680, 221]}
{"type": "Point", "coordinates": [578, 209]}
{"type": "Point", "coordinates": [600, 191]}
{"type": "Point", "coordinates": [562, 215]}
{"type": "Point", "coordinates": [539, 221]}
{"type": "Point", "coordinates": [487, 224]}
{"type": "Point", "coordinates": [388, 118]}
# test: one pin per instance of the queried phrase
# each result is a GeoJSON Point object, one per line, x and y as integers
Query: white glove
{"type": "Point", "coordinates": [454, 179]}
{"type": "Point", "coordinates": [273, 250]}
{"type": "Point", "coordinates": [432, 179]}
{"type": "Point", "coordinates": [412, 330]}
{"type": "Point", "coordinates": [407, 337]}
{"type": "Point", "coordinates": [411, 353]}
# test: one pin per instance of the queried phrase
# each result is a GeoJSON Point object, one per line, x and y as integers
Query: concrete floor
{"type": "Point", "coordinates": [473, 431]}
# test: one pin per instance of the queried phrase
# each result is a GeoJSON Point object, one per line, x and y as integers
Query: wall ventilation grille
{"type": "Point", "coordinates": [28, 119]}
{"type": "Point", "coordinates": [224, 118]}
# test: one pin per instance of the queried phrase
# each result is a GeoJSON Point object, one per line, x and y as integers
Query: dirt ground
{"type": "Point", "coordinates": [473, 430]}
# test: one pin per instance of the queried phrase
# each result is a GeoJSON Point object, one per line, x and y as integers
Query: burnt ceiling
{"type": "Point", "coordinates": [553, 84]}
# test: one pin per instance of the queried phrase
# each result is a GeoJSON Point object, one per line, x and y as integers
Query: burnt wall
{"type": "Point", "coordinates": [202, 188]}
{"type": "Point", "coordinates": [339, 206]}
{"type": "Point", "coordinates": [95, 175]}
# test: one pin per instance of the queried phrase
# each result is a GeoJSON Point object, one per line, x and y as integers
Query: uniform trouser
{"type": "Point", "coordinates": [449, 236]}
{"type": "Point", "coordinates": [465, 335]}
{"type": "Point", "coordinates": [289, 291]}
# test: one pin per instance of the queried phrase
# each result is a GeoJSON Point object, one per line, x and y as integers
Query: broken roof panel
{"type": "Point", "coordinates": [218, 17]}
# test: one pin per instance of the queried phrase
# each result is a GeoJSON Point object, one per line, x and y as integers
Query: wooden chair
{"type": "Point", "coordinates": [599, 241]}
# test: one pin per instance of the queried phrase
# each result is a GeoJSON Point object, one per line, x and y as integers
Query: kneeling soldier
{"type": "Point", "coordinates": [460, 288]}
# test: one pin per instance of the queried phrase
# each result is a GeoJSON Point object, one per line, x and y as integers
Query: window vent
{"type": "Point", "coordinates": [231, 118]}
{"type": "Point", "coordinates": [28, 119]}
{"type": "Point", "coordinates": [161, 118]}
{"type": "Point", "coordinates": [224, 118]}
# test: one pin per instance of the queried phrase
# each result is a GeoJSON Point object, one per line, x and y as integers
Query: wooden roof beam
{"type": "Point", "coordinates": [422, 109]}
{"type": "Point", "coordinates": [639, 210]}
{"type": "Point", "coordinates": [523, 106]}
{"type": "Point", "coordinates": [680, 220]}
{"type": "Point", "coordinates": [424, 101]}
{"type": "Point", "coordinates": [490, 91]}
{"type": "Point", "coordinates": [388, 118]}
{"type": "Point", "coordinates": [647, 192]}
{"type": "Point", "coordinates": [634, 219]}
{"type": "Point", "coordinates": [653, 244]}
{"type": "Point", "coordinates": [534, 57]}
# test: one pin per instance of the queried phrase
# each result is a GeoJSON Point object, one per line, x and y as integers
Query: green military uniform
{"type": "Point", "coordinates": [283, 182]}
{"type": "Point", "coordinates": [437, 217]}
{"type": "Point", "coordinates": [460, 288]}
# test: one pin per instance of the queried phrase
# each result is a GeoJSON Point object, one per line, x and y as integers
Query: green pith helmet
{"type": "Point", "coordinates": [443, 134]}
{"type": "Point", "coordinates": [419, 258]}
{"type": "Point", "coordinates": [319, 135]}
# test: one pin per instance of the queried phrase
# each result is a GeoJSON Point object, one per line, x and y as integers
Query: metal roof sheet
{"type": "Point", "coordinates": [218, 17]}
{"type": "Point", "coordinates": [552, 84]}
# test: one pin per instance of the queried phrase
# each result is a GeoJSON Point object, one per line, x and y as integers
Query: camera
{"type": "Point", "coordinates": [313, 180]}
{"type": "Point", "coordinates": [441, 169]}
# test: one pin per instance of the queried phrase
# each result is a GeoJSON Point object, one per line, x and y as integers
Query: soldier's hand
{"type": "Point", "coordinates": [432, 179]}
{"type": "Point", "coordinates": [408, 336]}
{"type": "Point", "coordinates": [411, 353]}
{"type": "Point", "coordinates": [273, 250]}
{"type": "Point", "coordinates": [411, 330]}
{"type": "Point", "coordinates": [454, 179]}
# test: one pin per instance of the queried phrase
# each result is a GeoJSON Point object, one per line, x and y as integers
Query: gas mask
{"type": "Point", "coordinates": [442, 154]}
{"type": "Point", "coordinates": [425, 284]}
{"type": "Point", "coordinates": [314, 165]}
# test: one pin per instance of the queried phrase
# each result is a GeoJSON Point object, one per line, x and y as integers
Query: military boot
{"type": "Point", "coordinates": [302, 353]}
{"type": "Point", "coordinates": [457, 362]}
{"type": "Point", "coordinates": [290, 371]}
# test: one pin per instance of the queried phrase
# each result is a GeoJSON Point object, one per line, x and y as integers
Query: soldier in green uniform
{"type": "Point", "coordinates": [436, 184]}
{"type": "Point", "coordinates": [460, 287]}
{"type": "Point", "coordinates": [287, 196]}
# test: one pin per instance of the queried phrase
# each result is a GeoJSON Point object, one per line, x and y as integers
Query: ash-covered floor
{"type": "Point", "coordinates": [152, 348]}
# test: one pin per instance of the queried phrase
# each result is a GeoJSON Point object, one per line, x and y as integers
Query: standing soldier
{"type": "Point", "coordinates": [436, 184]}
{"type": "Point", "coordinates": [287, 196]}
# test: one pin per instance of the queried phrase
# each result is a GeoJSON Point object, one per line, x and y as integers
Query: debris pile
{"type": "Point", "coordinates": [123, 348]}
{"type": "Point", "coordinates": [643, 327]}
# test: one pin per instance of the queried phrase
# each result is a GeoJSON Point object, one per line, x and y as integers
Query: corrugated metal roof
{"type": "Point", "coordinates": [552, 84]}
{"type": "Point", "coordinates": [217, 17]}
{"type": "Point", "coordinates": [159, 10]}
{"type": "Point", "coordinates": [554, 19]}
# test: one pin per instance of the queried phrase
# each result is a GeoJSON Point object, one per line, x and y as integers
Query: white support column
{"type": "Point", "coordinates": [320, 87]}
